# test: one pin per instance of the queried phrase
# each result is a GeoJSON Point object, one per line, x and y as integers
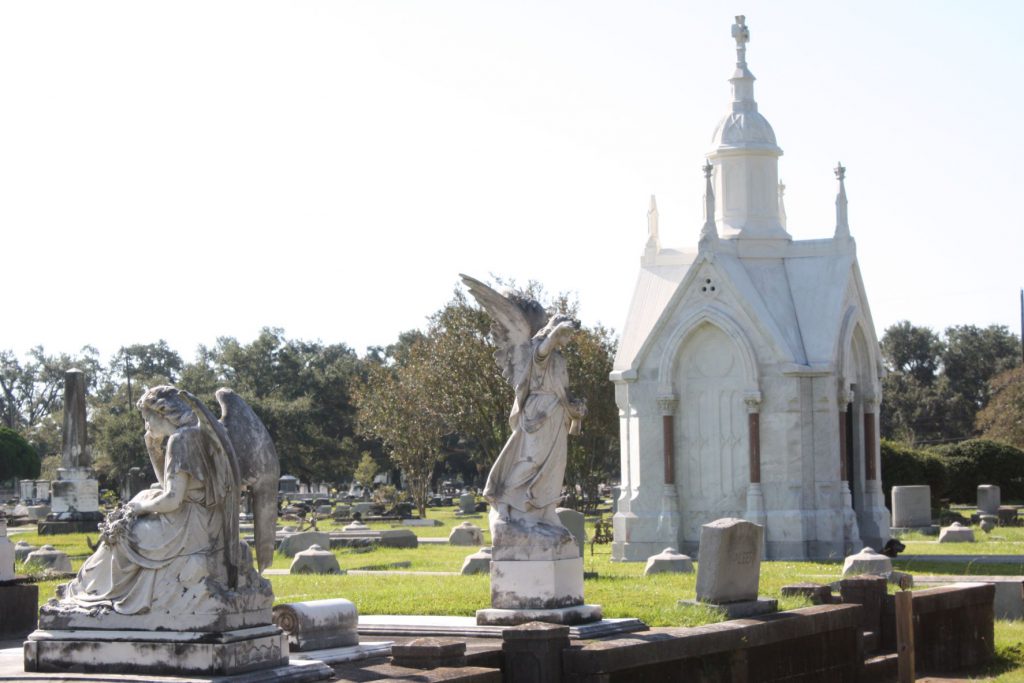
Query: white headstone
{"type": "Point", "coordinates": [50, 558]}
{"type": "Point", "coordinates": [911, 506]}
{"type": "Point", "coordinates": [668, 561]}
{"type": "Point", "coordinates": [466, 533]}
{"type": "Point", "coordinates": [296, 543]}
{"type": "Point", "coordinates": [988, 499]}
{"type": "Point", "coordinates": [956, 533]}
{"type": "Point", "coordinates": [477, 563]}
{"type": "Point", "coordinates": [576, 523]}
{"type": "Point", "coordinates": [467, 503]}
{"type": "Point", "coordinates": [315, 560]}
{"type": "Point", "coordinates": [355, 526]}
{"type": "Point", "coordinates": [867, 561]}
{"type": "Point", "coordinates": [22, 549]}
{"type": "Point", "coordinates": [729, 560]}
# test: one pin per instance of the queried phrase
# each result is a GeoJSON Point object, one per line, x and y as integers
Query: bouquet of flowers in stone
{"type": "Point", "coordinates": [117, 525]}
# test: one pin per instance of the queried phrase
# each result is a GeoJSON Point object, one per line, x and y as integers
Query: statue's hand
{"type": "Point", "coordinates": [136, 507]}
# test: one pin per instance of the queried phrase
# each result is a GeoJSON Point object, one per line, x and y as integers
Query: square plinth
{"type": "Point", "coordinates": [161, 653]}
{"type": "Point", "coordinates": [536, 584]}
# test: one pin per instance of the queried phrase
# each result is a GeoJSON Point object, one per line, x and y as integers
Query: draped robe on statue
{"type": "Point", "coordinates": [165, 554]}
{"type": "Point", "coordinates": [528, 473]}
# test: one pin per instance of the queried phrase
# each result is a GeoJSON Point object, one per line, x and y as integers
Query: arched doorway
{"type": "Point", "coordinates": [711, 430]}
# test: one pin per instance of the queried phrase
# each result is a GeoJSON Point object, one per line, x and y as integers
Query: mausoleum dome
{"type": "Point", "coordinates": [744, 129]}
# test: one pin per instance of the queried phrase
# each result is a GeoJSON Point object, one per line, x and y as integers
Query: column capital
{"type": "Point", "coordinates": [845, 397]}
{"type": "Point", "coordinates": [870, 401]}
{"type": "Point", "coordinates": [753, 401]}
{"type": "Point", "coordinates": [667, 403]}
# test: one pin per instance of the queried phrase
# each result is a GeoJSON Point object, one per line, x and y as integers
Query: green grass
{"type": "Point", "coordinates": [1000, 541]}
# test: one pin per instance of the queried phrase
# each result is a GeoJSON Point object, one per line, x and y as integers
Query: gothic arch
{"type": "Point", "coordinates": [721, 319]}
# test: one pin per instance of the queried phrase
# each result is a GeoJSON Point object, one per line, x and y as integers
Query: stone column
{"type": "Point", "coordinates": [668, 517]}
{"type": "Point", "coordinates": [870, 440]}
{"type": "Point", "coordinates": [667, 406]}
{"type": "Point", "coordinates": [842, 406]}
{"type": "Point", "coordinates": [851, 530]}
{"type": "Point", "coordinates": [875, 518]}
{"type": "Point", "coordinates": [755, 498]}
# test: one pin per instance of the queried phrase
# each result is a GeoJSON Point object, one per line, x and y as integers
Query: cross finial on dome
{"type": "Point", "coordinates": [840, 171]}
{"type": "Point", "coordinates": [741, 34]}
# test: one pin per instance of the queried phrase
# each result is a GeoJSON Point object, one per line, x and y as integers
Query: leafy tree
{"type": "Point", "coordinates": [593, 455]}
{"type": "Point", "coordinates": [912, 351]}
{"type": "Point", "coordinates": [1003, 418]}
{"type": "Point", "coordinates": [467, 385]}
{"type": "Point", "coordinates": [32, 390]}
{"type": "Point", "coordinates": [974, 355]}
{"type": "Point", "coordinates": [936, 386]}
{"type": "Point", "coordinates": [17, 457]}
{"type": "Point", "coordinates": [396, 406]}
{"type": "Point", "coordinates": [301, 391]}
{"type": "Point", "coordinates": [366, 470]}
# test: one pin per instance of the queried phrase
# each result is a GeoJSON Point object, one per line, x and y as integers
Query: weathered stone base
{"type": "Point", "coordinates": [579, 614]}
{"type": "Point", "coordinates": [209, 623]}
{"type": "Point", "coordinates": [741, 609]}
{"type": "Point", "coordinates": [156, 652]}
{"type": "Point", "coordinates": [20, 609]}
{"type": "Point", "coordinates": [536, 584]}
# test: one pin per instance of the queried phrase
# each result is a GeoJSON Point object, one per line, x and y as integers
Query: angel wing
{"type": "Point", "coordinates": [223, 481]}
{"type": "Point", "coordinates": [513, 325]}
{"type": "Point", "coordinates": [259, 467]}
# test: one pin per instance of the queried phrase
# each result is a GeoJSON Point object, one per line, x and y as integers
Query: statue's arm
{"type": "Point", "coordinates": [168, 500]}
{"type": "Point", "coordinates": [558, 338]}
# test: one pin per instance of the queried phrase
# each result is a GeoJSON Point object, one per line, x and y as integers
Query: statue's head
{"type": "Point", "coordinates": [166, 403]}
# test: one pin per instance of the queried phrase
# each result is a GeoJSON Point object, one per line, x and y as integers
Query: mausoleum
{"type": "Point", "coordinates": [747, 376]}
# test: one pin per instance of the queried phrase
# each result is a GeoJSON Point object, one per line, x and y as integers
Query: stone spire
{"type": "Point", "coordinates": [653, 240]}
{"type": "Point", "coordinates": [745, 159]}
{"type": "Point", "coordinates": [782, 203]}
{"type": "Point", "coordinates": [652, 225]}
{"type": "Point", "coordinates": [709, 232]}
{"type": "Point", "coordinates": [842, 224]}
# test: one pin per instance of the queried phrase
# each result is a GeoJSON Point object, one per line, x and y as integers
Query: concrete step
{"type": "Point", "coordinates": [870, 642]}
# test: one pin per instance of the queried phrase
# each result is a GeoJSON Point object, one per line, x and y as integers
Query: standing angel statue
{"type": "Point", "coordinates": [172, 555]}
{"type": "Point", "coordinates": [525, 484]}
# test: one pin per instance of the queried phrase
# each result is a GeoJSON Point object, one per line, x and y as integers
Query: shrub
{"type": "Point", "coordinates": [980, 461]}
{"type": "Point", "coordinates": [17, 457]}
{"type": "Point", "coordinates": [905, 466]}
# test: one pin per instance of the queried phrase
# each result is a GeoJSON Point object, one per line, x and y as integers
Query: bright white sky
{"type": "Point", "coordinates": [189, 170]}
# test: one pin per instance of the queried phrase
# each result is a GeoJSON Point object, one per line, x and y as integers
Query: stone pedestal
{"type": "Point", "coordinates": [156, 652]}
{"type": "Point", "coordinates": [74, 503]}
{"type": "Point", "coordinates": [20, 609]}
{"type": "Point", "coordinates": [533, 652]}
{"type": "Point", "coordinates": [536, 575]}
{"type": "Point", "coordinates": [536, 584]}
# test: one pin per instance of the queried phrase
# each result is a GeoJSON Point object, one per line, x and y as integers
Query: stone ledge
{"type": "Point", "coordinates": [156, 653]}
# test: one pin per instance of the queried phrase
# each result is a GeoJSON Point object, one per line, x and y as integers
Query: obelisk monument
{"type": "Point", "coordinates": [75, 495]}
